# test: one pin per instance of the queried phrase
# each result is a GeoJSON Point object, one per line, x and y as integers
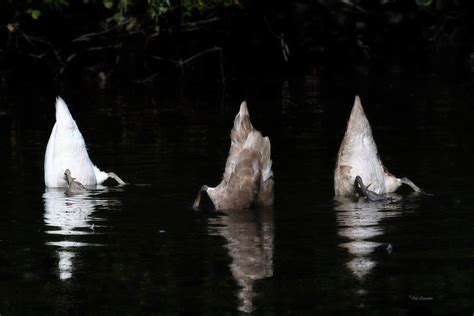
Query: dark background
{"type": "Point", "coordinates": [155, 100]}
{"type": "Point", "coordinates": [81, 40]}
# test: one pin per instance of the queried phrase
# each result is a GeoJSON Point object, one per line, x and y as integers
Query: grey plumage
{"type": "Point", "coordinates": [248, 176]}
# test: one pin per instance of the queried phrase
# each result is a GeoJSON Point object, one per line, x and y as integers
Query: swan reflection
{"type": "Point", "coordinates": [359, 222]}
{"type": "Point", "coordinates": [69, 221]}
{"type": "Point", "coordinates": [249, 236]}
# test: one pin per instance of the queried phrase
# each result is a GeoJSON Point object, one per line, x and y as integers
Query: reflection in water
{"type": "Point", "coordinates": [249, 238]}
{"type": "Point", "coordinates": [65, 264]}
{"type": "Point", "coordinates": [359, 222]}
{"type": "Point", "coordinates": [68, 218]}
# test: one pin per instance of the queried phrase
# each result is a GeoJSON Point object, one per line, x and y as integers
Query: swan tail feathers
{"type": "Point", "coordinates": [62, 112]}
{"type": "Point", "coordinates": [265, 195]}
{"type": "Point", "coordinates": [266, 161]}
{"type": "Point", "coordinates": [242, 125]}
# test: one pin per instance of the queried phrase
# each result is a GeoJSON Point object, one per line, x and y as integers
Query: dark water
{"type": "Point", "coordinates": [141, 249]}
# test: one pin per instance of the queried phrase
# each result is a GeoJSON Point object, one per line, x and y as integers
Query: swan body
{"type": "Point", "coordinates": [66, 149]}
{"type": "Point", "coordinates": [248, 176]}
{"type": "Point", "coordinates": [358, 156]}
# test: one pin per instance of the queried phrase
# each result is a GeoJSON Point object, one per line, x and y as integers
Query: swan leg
{"type": "Point", "coordinates": [74, 186]}
{"type": "Point", "coordinates": [197, 201]}
{"type": "Point", "coordinates": [411, 184]}
{"type": "Point", "coordinates": [114, 176]}
{"type": "Point", "coordinates": [364, 191]}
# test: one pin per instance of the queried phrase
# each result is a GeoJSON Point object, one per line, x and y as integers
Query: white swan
{"type": "Point", "coordinates": [248, 176]}
{"type": "Point", "coordinates": [67, 150]}
{"type": "Point", "coordinates": [358, 157]}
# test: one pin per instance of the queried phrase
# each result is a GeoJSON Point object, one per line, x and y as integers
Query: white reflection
{"type": "Point", "coordinates": [249, 238]}
{"type": "Point", "coordinates": [65, 264]}
{"type": "Point", "coordinates": [68, 219]}
{"type": "Point", "coordinates": [358, 221]}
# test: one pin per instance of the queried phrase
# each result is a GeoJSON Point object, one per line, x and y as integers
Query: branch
{"type": "Point", "coordinates": [90, 49]}
{"type": "Point", "coordinates": [192, 26]}
{"type": "Point", "coordinates": [285, 50]}
{"type": "Point", "coordinates": [86, 37]}
{"type": "Point", "coordinates": [209, 50]}
{"type": "Point", "coordinates": [32, 39]}
{"type": "Point", "coordinates": [175, 62]}
{"type": "Point", "coordinates": [181, 63]}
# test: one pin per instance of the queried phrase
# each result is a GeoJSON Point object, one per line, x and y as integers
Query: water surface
{"type": "Point", "coordinates": [141, 249]}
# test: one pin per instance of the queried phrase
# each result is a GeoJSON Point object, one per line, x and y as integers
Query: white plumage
{"type": "Point", "coordinates": [66, 149]}
{"type": "Point", "coordinates": [358, 156]}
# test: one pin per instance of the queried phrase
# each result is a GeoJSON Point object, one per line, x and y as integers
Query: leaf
{"type": "Point", "coordinates": [108, 4]}
{"type": "Point", "coordinates": [35, 14]}
{"type": "Point", "coordinates": [424, 3]}
{"type": "Point", "coordinates": [132, 22]}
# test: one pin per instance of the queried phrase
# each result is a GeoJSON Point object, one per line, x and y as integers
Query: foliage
{"type": "Point", "coordinates": [424, 3]}
{"type": "Point", "coordinates": [34, 9]}
{"type": "Point", "coordinates": [152, 12]}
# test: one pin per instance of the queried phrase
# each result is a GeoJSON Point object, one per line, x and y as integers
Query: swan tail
{"type": "Point", "coordinates": [238, 135]}
{"type": "Point", "coordinates": [358, 155]}
{"type": "Point", "coordinates": [242, 125]}
{"type": "Point", "coordinates": [358, 124]}
{"type": "Point", "coordinates": [266, 161]}
{"type": "Point", "coordinates": [255, 158]}
{"type": "Point", "coordinates": [63, 116]}
{"type": "Point", "coordinates": [257, 151]}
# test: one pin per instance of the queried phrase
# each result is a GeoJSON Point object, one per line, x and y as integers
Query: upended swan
{"type": "Point", "coordinates": [358, 157]}
{"type": "Point", "coordinates": [248, 176]}
{"type": "Point", "coordinates": [66, 149]}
